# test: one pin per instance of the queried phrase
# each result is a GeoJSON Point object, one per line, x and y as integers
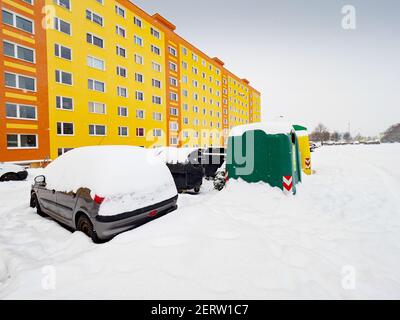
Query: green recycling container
{"type": "Point", "coordinates": [265, 152]}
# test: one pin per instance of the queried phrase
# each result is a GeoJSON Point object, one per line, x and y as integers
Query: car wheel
{"type": "Point", "coordinates": [9, 177]}
{"type": "Point", "coordinates": [85, 225]}
{"type": "Point", "coordinates": [35, 204]}
{"type": "Point", "coordinates": [197, 189]}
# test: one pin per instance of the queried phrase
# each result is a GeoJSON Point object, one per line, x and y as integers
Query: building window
{"type": "Point", "coordinates": [22, 141]}
{"type": "Point", "coordinates": [96, 85]}
{"type": "Point", "coordinates": [184, 65]}
{"type": "Point", "coordinates": [62, 52]}
{"type": "Point", "coordinates": [157, 116]}
{"type": "Point", "coordinates": [121, 51]}
{"type": "Point", "coordinates": [92, 39]}
{"type": "Point", "coordinates": [61, 151]}
{"type": "Point", "coordinates": [64, 3]}
{"type": "Point", "coordinates": [122, 111]}
{"type": "Point", "coordinates": [156, 66]}
{"type": "Point", "coordinates": [120, 31]}
{"type": "Point", "coordinates": [138, 22]}
{"type": "Point", "coordinates": [155, 33]}
{"type": "Point", "coordinates": [140, 114]}
{"type": "Point", "coordinates": [173, 81]}
{"type": "Point", "coordinates": [185, 107]}
{"type": "Point", "coordinates": [94, 17]}
{"type": "Point", "coordinates": [17, 21]}
{"type": "Point", "coordinates": [185, 120]}
{"type": "Point", "coordinates": [18, 81]}
{"type": "Point", "coordinates": [157, 132]}
{"type": "Point", "coordinates": [64, 103]}
{"type": "Point", "coordinates": [139, 59]}
{"type": "Point", "coordinates": [19, 52]}
{"type": "Point", "coordinates": [65, 129]}
{"type": "Point", "coordinates": [139, 96]}
{"type": "Point", "coordinates": [173, 111]}
{"type": "Point", "coordinates": [194, 57]}
{"type": "Point", "coordinates": [172, 51]}
{"type": "Point", "coordinates": [139, 77]}
{"type": "Point", "coordinates": [97, 130]}
{"type": "Point", "coordinates": [123, 131]}
{"type": "Point", "coordinates": [173, 96]}
{"type": "Point", "coordinates": [122, 92]}
{"type": "Point", "coordinates": [173, 67]}
{"type": "Point", "coordinates": [64, 77]}
{"type": "Point", "coordinates": [96, 63]}
{"type": "Point", "coordinates": [156, 100]}
{"type": "Point", "coordinates": [138, 41]}
{"type": "Point", "coordinates": [155, 50]}
{"type": "Point", "coordinates": [184, 51]}
{"type": "Point", "coordinates": [97, 107]}
{"type": "Point", "coordinates": [139, 132]}
{"type": "Point", "coordinates": [194, 70]}
{"type": "Point", "coordinates": [173, 126]}
{"type": "Point", "coordinates": [21, 111]}
{"type": "Point", "coordinates": [121, 72]}
{"type": "Point", "coordinates": [120, 11]}
{"type": "Point", "coordinates": [62, 26]}
{"type": "Point", "coordinates": [173, 141]}
{"type": "Point", "coordinates": [156, 83]}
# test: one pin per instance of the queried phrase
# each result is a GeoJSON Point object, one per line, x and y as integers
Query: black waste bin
{"type": "Point", "coordinates": [212, 159]}
{"type": "Point", "coordinates": [185, 166]}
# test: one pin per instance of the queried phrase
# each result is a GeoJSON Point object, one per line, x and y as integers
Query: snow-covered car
{"type": "Point", "coordinates": [105, 190]}
{"type": "Point", "coordinates": [12, 172]}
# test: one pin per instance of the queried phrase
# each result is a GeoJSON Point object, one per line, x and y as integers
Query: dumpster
{"type": "Point", "coordinates": [185, 166]}
{"type": "Point", "coordinates": [304, 146]}
{"type": "Point", "coordinates": [267, 152]}
{"type": "Point", "coordinates": [212, 159]}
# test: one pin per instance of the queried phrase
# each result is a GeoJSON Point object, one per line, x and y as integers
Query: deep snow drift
{"type": "Point", "coordinates": [339, 238]}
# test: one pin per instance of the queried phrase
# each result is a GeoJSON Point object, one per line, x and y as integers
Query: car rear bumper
{"type": "Point", "coordinates": [107, 227]}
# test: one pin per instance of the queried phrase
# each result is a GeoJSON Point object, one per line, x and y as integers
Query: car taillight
{"type": "Point", "coordinates": [98, 199]}
{"type": "Point", "coordinates": [226, 177]}
{"type": "Point", "coordinates": [152, 213]}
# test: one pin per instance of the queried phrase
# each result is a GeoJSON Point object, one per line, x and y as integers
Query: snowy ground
{"type": "Point", "coordinates": [339, 238]}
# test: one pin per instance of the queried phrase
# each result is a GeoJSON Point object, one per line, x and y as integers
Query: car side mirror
{"type": "Point", "coordinates": [40, 180]}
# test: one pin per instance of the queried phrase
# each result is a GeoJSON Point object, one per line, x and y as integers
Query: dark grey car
{"type": "Point", "coordinates": [79, 211]}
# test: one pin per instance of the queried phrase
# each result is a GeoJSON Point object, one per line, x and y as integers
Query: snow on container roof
{"type": "Point", "coordinates": [174, 155]}
{"type": "Point", "coordinates": [268, 128]}
{"type": "Point", "coordinates": [108, 171]}
{"type": "Point", "coordinates": [301, 131]}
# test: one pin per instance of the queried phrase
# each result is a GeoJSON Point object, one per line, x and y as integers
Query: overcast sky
{"type": "Point", "coordinates": [307, 67]}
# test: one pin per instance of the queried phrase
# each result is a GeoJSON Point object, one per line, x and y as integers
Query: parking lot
{"type": "Point", "coordinates": [247, 241]}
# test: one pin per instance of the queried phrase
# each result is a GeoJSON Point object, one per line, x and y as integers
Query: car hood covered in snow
{"type": "Point", "coordinates": [128, 178]}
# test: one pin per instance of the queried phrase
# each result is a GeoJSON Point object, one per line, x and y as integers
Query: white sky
{"type": "Point", "coordinates": [296, 53]}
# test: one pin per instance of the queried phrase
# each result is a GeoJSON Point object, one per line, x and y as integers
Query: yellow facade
{"type": "Point", "coordinates": [139, 35]}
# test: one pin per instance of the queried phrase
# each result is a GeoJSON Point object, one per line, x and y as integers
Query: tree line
{"type": "Point", "coordinates": [322, 134]}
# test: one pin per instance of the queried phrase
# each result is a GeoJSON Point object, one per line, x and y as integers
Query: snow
{"type": "Point", "coordinates": [267, 127]}
{"type": "Point", "coordinates": [9, 167]}
{"type": "Point", "coordinates": [249, 241]}
{"type": "Point", "coordinates": [302, 133]}
{"type": "Point", "coordinates": [127, 177]}
{"type": "Point", "coordinates": [174, 155]}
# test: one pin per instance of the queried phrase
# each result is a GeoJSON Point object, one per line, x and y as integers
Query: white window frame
{"type": "Point", "coordinates": [94, 103]}
{"type": "Point", "coordinates": [95, 133]}
{"type": "Point", "coordinates": [18, 106]}
{"type": "Point", "coordinates": [14, 23]}
{"type": "Point", "coordinates": [119, 109]}
{"type": "Point", "coordinates": [94, 81]}
{"type": "Point", "coordinates": [59, 30]}
{"type": "Point", "coordinates": [16, 51]}
{"type": "Point", "coordinates": [17, 81]}
{"type": "Point", "coordinates": [99, 60]}
{"type": "Point", "coordinates": [19, 141]}
{"type": "Point", "coordinates": [61, 101]}
{"type": "Point", "coordinates": [120, 130]}
{"type": "Point", "coordinates": [62, 129]}
{"type": "Point", "coordinates": [65, 84]}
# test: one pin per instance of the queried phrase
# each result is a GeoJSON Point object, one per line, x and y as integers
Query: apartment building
{"type": "Point", "coordinates": [24, 118]}
{"type": "Point", "coordinates": [109, 73]}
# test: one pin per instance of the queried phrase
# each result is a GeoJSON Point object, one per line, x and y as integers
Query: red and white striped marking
{"type": "Point", "coordinates": [287, 183]}
{"type": "Point", "coordinates": [308, 163]}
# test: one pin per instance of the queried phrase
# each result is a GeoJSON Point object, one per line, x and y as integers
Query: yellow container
{"type": "Point", "coordinates": [304, 146]}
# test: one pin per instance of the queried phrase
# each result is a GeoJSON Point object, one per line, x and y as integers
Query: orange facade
{"type": "Point", "coordinates": [23, 138]}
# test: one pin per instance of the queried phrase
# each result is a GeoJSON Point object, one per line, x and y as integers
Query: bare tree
{"type": "Point", "coordinates": [320, 133]}
{"type": "Point", "coordinates": [335, 136]}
